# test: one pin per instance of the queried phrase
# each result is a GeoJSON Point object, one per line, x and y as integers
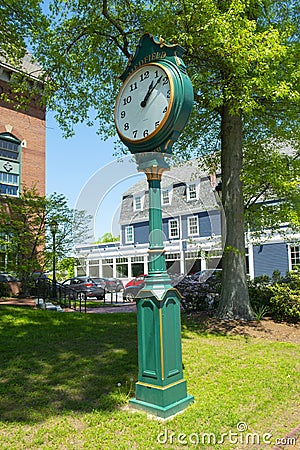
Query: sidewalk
{"type": "Point", "coordinates": [108, 307]}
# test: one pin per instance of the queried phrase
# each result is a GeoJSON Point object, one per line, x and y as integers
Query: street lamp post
{"type": "Point", "coordinates": [54, 229]}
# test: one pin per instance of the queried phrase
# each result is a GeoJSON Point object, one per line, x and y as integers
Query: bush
{"type": "Point", "coordinates": [259, 292]}
{"type": "Point", "coordinates": [4, 290]}
{"type": "Point", "coordinates": [279, 296]}
{"type": "Point", "coordinates": [285, 303]}
{"type": "Point", "coordinates": [200, 296]}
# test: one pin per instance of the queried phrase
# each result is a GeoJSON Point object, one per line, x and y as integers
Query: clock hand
{"type": "Point", "coordinates": [150, 90]}
{"type": "Point", "coordinates": [144, 102]}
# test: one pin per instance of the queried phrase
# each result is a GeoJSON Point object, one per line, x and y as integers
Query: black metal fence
{"type": "Point", "coordinates": [64, 296]}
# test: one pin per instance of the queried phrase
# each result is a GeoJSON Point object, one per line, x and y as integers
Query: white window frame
{"type": "Point", "coordinates": [169, 192]}
{"type": "Point", "coordinates": [141, 198]}
{"type": "Point", "coordinates": [170, 228]}
{"type": "Point", "coordinates": [294, 255]}
{"type": "Point", "coordinates": [127, 233]}
{"type": "Point", "coordinates": [189, 219]}
{"type": "Point", "coordinates": [188, 191]}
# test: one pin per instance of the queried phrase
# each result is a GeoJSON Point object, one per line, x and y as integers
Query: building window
{"type": "Point", "coordinates": [192, 191]}
{"type": "Point", "coordinates": [166, 197]}
{"type": "Point", "coordinates": [129, 236]}
{"type": "Point", "coordinates": [173, 228]}
{"type": "Point", "coordinates": [9, 150]}
{"type": "Point", "coordinates": [295, 255]}
{"type": "Point", "coordinates": [137, 203]}
{"type": "Point", "coordinates": [193, 226]}
{"type": "Point", "coordinates": [8, 190]}
{"type": "Point", "coordinates": [9, 178]}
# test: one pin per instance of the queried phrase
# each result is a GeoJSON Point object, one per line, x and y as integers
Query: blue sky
{"type": "Point", "coordinates": [72, 163]}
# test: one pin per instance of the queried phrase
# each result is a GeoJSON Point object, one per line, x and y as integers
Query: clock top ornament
{"type": "Point", "coordinates": [156, 98]}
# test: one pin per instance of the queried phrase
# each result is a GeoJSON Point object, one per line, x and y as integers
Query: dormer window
{"type": "Point", "coordinates": [166, 195]}
{"type": "Point", "coordinates": [138, 202]}
{"type": "Point", "coordinates": [192, 191]}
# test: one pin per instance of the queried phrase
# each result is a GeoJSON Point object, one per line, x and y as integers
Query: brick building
{"type": "Point", "coordinates": [22, 136]}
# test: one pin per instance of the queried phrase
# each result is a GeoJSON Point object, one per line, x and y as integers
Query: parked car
{"type": "Point", "coordinates": [203, 275]}
{"type": "Point", "coordinates": [136, 281]}
{"type": "Point", "coordinates": [111, 284]}
{"type": "Point", "coordinates": [87, 286]}
{"type": "Point", "coordinates": [133, 287]}
{"type": "Point", "coordinates": [11, 284]}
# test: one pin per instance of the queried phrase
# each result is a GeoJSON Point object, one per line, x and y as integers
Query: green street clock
{"type": "Point", "coordinates": [152, 108]}
{"type": "Point", "coordinates": [156, 98]}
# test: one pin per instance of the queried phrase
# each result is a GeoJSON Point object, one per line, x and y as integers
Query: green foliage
{"type": "Point", "coordinates": [108, 237]}
{"type": "Point", "coordinates": [279, 297]}
{"type": "Point", "coordinates": [25, 232]}
{"type": "Point", "coordinates": [66, 268]}
{"type": "Point", "coordinates": [259, 292]}
{"type": "Point", "coordinates": [285, 302]}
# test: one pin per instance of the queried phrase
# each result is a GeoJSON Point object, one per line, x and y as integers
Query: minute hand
{"type": "Point", "coordinates": [150, 90]}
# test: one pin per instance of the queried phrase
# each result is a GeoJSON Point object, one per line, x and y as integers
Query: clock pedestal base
{"type": "Point", "coordinates": [161, 389]}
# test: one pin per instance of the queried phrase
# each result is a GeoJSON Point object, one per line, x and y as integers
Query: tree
{"type": "Point", "coordinates": [25, 235]}
{"type": "Point", "coordinates": [108, 237]}
{"type": "Point", "coordinates": [72, 228]}
{"type": "Point", "coordinates": [22, 230]}
{"type": "Point", "coordinates": [242, 58]}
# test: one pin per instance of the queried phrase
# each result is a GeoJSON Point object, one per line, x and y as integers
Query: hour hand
{"type": "Point", "coordinates": [150, 88]}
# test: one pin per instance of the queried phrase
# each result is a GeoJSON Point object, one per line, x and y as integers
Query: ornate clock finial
{"type": "Point", "coordinates": [161, 41]}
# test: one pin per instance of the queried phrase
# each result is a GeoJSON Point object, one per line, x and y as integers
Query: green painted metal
{"type": "Point", "coordinates": [160, 389]}
{"type": "Point", "coordinates": [153, 50]}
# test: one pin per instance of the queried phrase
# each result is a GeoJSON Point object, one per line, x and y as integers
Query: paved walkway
{"type": "Point", "coordinates": [108, 307]}
{"type": "Point", "coordinates": [115, 308]}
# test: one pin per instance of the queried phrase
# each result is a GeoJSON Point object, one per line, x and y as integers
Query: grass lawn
{"type": "Point", "coordinates": [65, 379]}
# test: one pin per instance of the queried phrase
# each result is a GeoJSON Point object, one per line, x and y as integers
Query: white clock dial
{"type": "Point", "coordinates": [144, 102]}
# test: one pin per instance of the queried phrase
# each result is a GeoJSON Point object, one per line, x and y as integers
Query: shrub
{"type": "Point", "coordinates": [285, 302]}
{"type": "Point", "coordinates": [259, 292]}
{"type": "Point", "coordinates": [279, 296]}
{"type": "Point", "coordinates": [200, 296]}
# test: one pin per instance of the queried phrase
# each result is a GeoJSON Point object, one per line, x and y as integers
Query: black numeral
{"type": "Point", "coordinates": [126, 126]}
{"type": "Point", "coordinates": [135, 133]}
{"type": "Point", "coordinates": [157, 124]}
{"type": "Point", "coordinates": [123, 114]}
{"type": "Point", "coordinates": [165, 81]}
{"type": "Point", "coordinates": [168, 93]}
{"type": "Point", "coordinates": [133, 86]}
{"type": "Point", "coordinates": [156, 74]}
{"type": "Point", "coordinates": [127, 100]}
{"type": "Point", "coordinates": [146, 132]}
{"type": "Point", "coordinates": [144, 75]}
{"type": "Point", "coordinates": [165, 110]}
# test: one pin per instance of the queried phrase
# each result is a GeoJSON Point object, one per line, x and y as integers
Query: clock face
{"type": "Point", "coordinates": [144, 103]}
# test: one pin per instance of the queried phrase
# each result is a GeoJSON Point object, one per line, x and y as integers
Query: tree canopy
{"type": "Point", "coordinates": [242, 57]}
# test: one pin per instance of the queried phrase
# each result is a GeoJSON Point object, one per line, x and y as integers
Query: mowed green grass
{"type": "Point", "coordinates": [65, 381]}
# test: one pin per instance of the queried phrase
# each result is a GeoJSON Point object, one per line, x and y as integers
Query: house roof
{"type": "Point", "coordinates": [184, 173]}
{"type": "Point", "coordinates": [178, 177]}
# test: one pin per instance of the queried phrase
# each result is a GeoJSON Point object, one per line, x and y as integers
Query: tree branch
{"type": "Point", "coordinates": [125, 46]}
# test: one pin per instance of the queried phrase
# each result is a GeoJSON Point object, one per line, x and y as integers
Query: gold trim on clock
{"type": "Point", "coordinates": [167, 114]}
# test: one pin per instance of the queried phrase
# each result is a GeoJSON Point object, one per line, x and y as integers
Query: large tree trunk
{"type": "Point", "coordinates": [234, 301]}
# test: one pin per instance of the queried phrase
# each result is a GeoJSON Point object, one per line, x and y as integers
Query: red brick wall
{"type": "Point", "coordinates": [30, 127]}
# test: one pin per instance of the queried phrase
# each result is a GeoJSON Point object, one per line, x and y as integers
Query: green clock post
{"type": "Point", "coordinates": [152, 108]}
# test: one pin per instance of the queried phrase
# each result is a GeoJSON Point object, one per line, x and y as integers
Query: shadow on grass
{"type": "Point", "coordinates": [55, 362]}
